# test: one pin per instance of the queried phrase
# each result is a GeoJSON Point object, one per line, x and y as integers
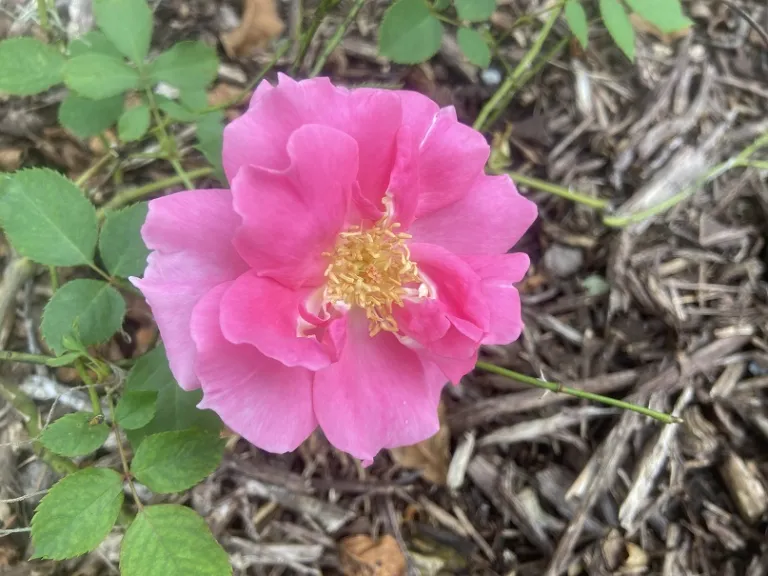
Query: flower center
{"type": "Point", "coordinates": [371, 269]}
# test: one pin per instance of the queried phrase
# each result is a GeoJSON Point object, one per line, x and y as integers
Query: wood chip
{"type": "Point", "coordinates": [261, 23]}
{"type": "Point", "coordinates": [361, 556]}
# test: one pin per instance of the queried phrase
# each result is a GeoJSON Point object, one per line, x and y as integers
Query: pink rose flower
{"type": "Point", "coordinates": [356, 265]}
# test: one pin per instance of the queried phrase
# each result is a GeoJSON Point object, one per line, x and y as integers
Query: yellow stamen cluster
{"type": "Point", "coordinates": [370, 269]}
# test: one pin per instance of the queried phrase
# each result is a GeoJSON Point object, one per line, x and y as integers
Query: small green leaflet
{"type": "Point", "coordinates": [475, 10]}
{"type": "Point", "coordinates": [134, 123]}
{"type": "Point", "coordinates": [120, 244]}
{"type": "Point", "coordinates": [210, 138]}
{"type": "Point", "coordinates": [28, 66]}
{"type": "Point", "coordinates": [99, 76]}
{"type": "Point", "coordinates": [85, 117]}
{"type": "Point", "coordinates": [171, 540]}
{"type": "Point", "coordinates": [186, 65]}
{"type": "Point", "coordinates": [136, 409]}
{"type": "Point", "coordinates": [47, 218]}
{"type": "Point", "coordinates": [666, 15]}
{"type": "Point", "coordinates": [176, 408]}
{"type": "Point", "coordinates": [127, 24]}
{"type": "Point", "coordinates": [577, 21]}
{"type": "Point", "coordinates": [474, 47]}
{"type": "Point", "coordinates": [77, 513]}
{"type": "Point", "coordinates": [91, 311]}
{"type": "Point", "coordinates": [74, 435]}
{"type": "Point", "coordinates": [617, 23]}
{"type": "Point", "coordinates": [93, 41]}
{"type": "Point", "coordinates": [409, 33]}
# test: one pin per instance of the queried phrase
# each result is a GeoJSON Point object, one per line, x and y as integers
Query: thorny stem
{"type": "Point", "coordinates": [518, 72]}
{"type": "Point", "coordinates": [83, 373]}
{"type": "Point", "coordinates": [26, 358]}
{"type": "Point", "coordinates": [336, 38]}
{"type": "Point", "coordinates": [121, 450]}
{"type": "Point", "coordinates": [167, 144]}
{"type": "Point", "coordinates": [554, 387]}
{"type": "Point", "coordinates": [127, 196]}
{"type": "Point", "coordinates": [563, 192]}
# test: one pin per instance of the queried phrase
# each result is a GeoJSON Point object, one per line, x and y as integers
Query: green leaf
{"type": "Point", "coordinates": [136, 409]}
{"type": "Point", "coordinates": [93, 41]}
{"type": "Point", "coordinates": [99, 76]}
{"type": "Point", "coordinates": [174, 461]}
{"type": "Point", "coordinates": [409, 32]}
{"type": "Point", "coordinates": [89, 310]}
{"type": "Point", "coordinates": [176, 111]}
{"type": "Point", "coordinates": [47, 218]}
{"type": "Point", "coordinates": [210, 138]}
{"type": "Point", "coordinates": [120, 244]}
{"type": "Point", "coordinates": [74, 435]}
{"type": "Point", "coordinates": [186, 65]}
{"type": "Point", "coordinates": [77, 513]}
{"type": "Point", "coordinates": [666, 15]}
{"type": "Point", "coordinates": [85, 117]}
{"type": "Point", "coordinates": [127, 24]}
{"type": "Point", "coordinates": [176, 408]}
{"type": "Point", "coordinates": [474, 47]}
{"type": "Point", "coordinates": [440, 5]}
{"type": "Point", "coordinates": [475, 10]}
{"type": "Point", "coordinates": [194, 99]}
{"type": "Point", "coordinates": [64, 359]}
{"type": "Point", "coordinates": [134, 123]}
{"type": "Point", "coordinates": [577, 21]}
{"type": "Point", "coordinates": [619, 27]}
{"type": "Point", "coordinates": [27, 66]}
{"type": "Point", "coordinates": [171, 540]}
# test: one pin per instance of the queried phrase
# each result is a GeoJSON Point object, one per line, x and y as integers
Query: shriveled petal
{"type": "Point", "coordinates": [498, 275]}
{"type": "Point", "coordinates": [490, 219]}
{"type": "Point", "coordinates": [451, 157]}
{"type": "Point", "coordinates": [266, 402]}
{"type": "Point", "coordinates": [191, 235]}
{"type": "Point", "coordinates": [263, 313]}
{"type": "Point", "coordinates": [378, 395]}
{"type": "Point", "coordinates": [291, 217]}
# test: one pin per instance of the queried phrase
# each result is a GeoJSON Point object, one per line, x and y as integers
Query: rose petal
{"type": "Point", "coordinates": [265, 314]}
{"type": "Point", "coordinates": [378, 395]}
{"type": "Point", "coordinates": [490, 219]}
{"type": "Point", "coordinates": [266, 402]}
{"type": "Point", "coordinates": [290, 218]}
{"type": "Point", "coordinates": [498, 274]}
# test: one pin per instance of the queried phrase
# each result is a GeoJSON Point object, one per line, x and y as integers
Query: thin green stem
{"type": "Point", "coordinates": [121, 450]}
{"type": "Point", "coordinates": [54, 276]}
{"type": "Point", "coordinates": [336, 38]}
{"type": "Point", "coordinates": [554, 387]}
{"type": "Point", "coordinates": [182, 173]}
{"type": "Point", "coordinates": [42, 14]}
{"type": "Point", "coordinates": [83, 373]}
{"type": "Point", "coordinates": [101, 272]}
{"type": "Point", "coordinates": [518, 72]}
{"type": "Point", "coordinates": [306, 40]}
{"type": "Point", "coordinates": [132, 194]}
{"type": "Point", "coordinates": [26, 358]}
{"type": "Point", "coordinates": [544, 186]}
{"type": "Point", "coordinates": [94, 168]}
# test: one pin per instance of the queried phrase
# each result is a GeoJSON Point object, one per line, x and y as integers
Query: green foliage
{"type": "Point", "coordinates": [87, 310]}
{"type": "Point", "coordinates": [617, 22]}
{"type": "Point", "coordinates": [210, 138]}
{"type": "Point", "coordinates": [666, 15]}
{"type": "Point", "coordinates": [577, 21]}
{"type": "Point", "coordinates": [440, 5]}
{"type": "Point", "coordinates": [85, 117]}
{"type": "Point", "coordinates": [136, 409]}
{"type": "Point", "coordinates": [77, 513]}
{"type": "Point", "coordinates": [93, 41]}
{"type": "Point", "coordinates": [127, 24]}
{"type": "Point", "coordinates": [176, 111]}
{"type": "Point", "coordinates": [186, 65]}
{"type": "Point", "coordinates": [120, 244]}
{"type": "Point", "coordinates": [409, 32]}
{"type": "Point", "coordinates": [47, 218]}
{"type": "Point", "coordinates": [99, 76]}
{"type": "Point", "coordinates": [176, 408]}
{"type": "Point", "coordinates": [74, 435]}
{"type": "Point", "coordinates": [174, 461]}
{"type": "Point", "coordinates": [475, 10]}
{"type": "Point", "coordinates": [171, 540]}
{"type": "Point", "coordinates": [474, 47]}
{"type": "Point", "coordinates": [27, 66]}
{"type": "Point", "coordinates": [134, 123]}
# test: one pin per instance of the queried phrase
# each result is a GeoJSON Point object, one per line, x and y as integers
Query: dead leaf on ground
{"type": "Point", "coordinates": [666, 37]}
{"type": "Point", "coordinates": [261, 23]}
{"type": "Point", "coordinates": [10, 159]}
{"type": "Point", "coordinates": [361, 556]}
{"type": "Point", "coordinates": [431, 456]}
{"type": "Point", "coordinates": [223, 93]}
